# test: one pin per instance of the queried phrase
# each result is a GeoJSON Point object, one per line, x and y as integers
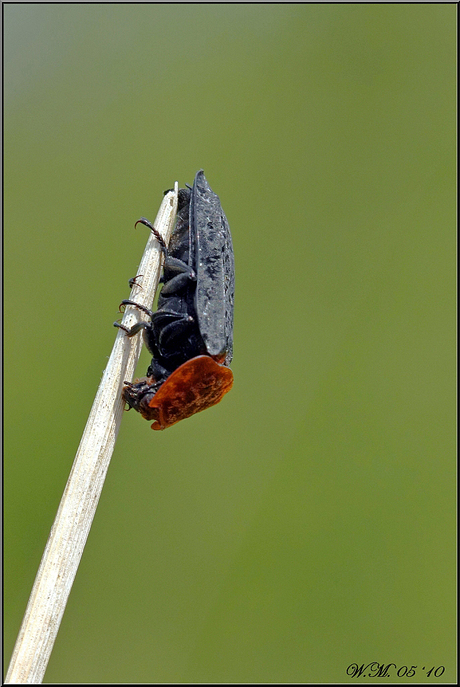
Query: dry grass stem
{"type": "Point", "coordinates": [78, 505]}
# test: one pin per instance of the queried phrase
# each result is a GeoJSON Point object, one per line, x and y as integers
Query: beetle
{"type": "Point", "coordinates": [190, 335]}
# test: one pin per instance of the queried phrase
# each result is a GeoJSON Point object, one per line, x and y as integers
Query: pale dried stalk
{"type": "Point", "coordinates": [79, 502]}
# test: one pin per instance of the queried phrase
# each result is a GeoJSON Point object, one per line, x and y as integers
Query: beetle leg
{"type": "Point", "coordinates": [178, 276]}
{"type": "Point", "coordinates": [168, 326]}
{"type": "Point", "coordinates": [162, 318]}
{"type": "Point", "coordinates": [156, 233]}
{"type": "Point", "coordinates": [178, 266]}
{"type": "Point", "coordinates": [177, 284]}
{"type": "Point", "coordinates": [137, 305]}
{"type": "Point", "coordinates": [157, 371]}
{"type": "Point", "coordinates": [170, 264]}
{"type": "Point", "coordinates": [173, 331]}
{"type": "Point", "coordinates": [133, 281]}
{"type": "Point", "coordinates": [132, 331]}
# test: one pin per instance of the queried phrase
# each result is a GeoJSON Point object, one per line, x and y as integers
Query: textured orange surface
{"type": "Point", "coordinates": [194, 386]}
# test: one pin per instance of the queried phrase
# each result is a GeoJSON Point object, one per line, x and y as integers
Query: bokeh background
{"type": "Point", "coordinates": [307, 522]}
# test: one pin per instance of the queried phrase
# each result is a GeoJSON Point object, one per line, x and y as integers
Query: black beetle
{"type": "Point", "coordinates": [190, 336]}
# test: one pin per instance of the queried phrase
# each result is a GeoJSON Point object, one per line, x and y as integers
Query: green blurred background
{"type": "Point", "coordinates": [308, 521]}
